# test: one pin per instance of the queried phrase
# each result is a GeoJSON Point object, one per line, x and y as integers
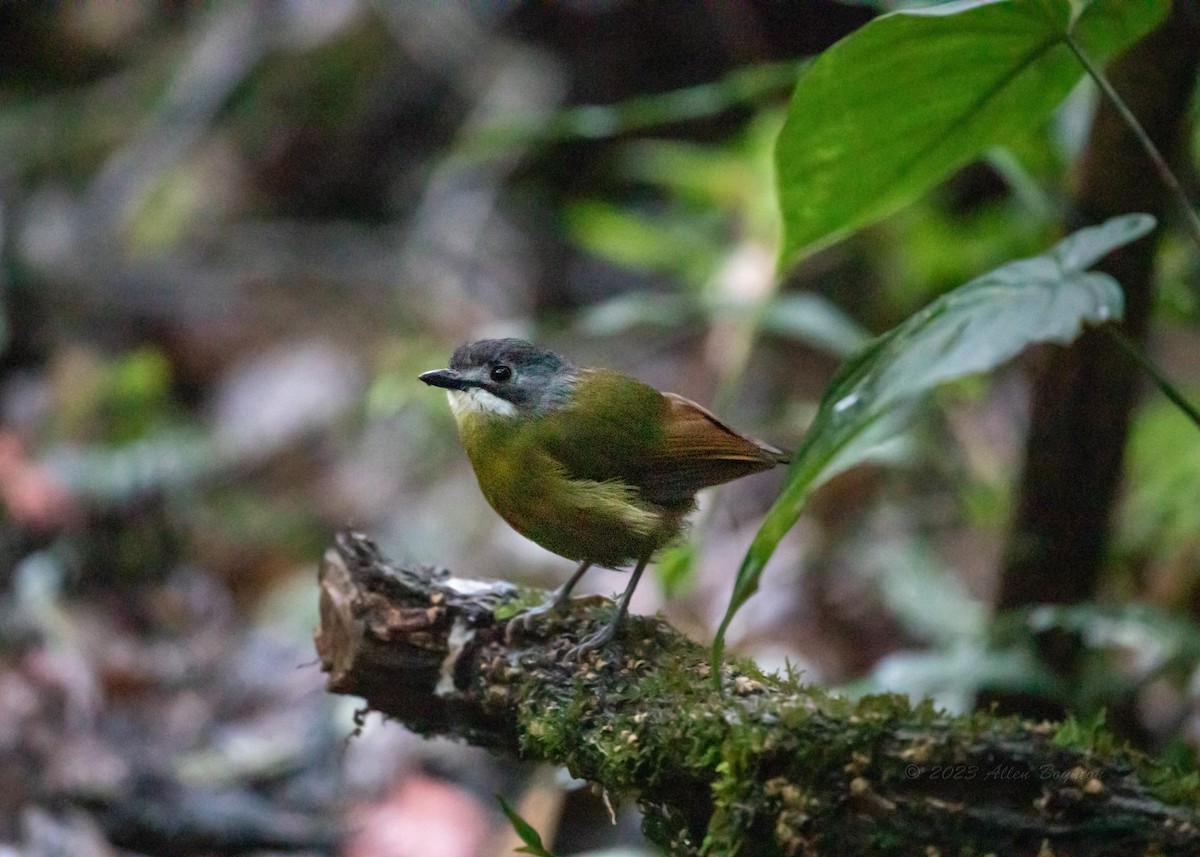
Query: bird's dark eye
{"type": "Point", "coordinates": [501, 373]}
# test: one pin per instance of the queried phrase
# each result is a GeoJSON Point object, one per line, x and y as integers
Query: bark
{"type": "Point", "coordinates": [767, 766]}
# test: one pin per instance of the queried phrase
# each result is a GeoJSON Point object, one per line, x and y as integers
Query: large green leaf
{"type": "Point", "coordinates": [971, 329]}
{"type": "Point", "coordinates": [890, 110]}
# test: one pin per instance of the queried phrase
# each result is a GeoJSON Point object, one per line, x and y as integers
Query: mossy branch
{"type": "Point", "coordinates": [768, 767]}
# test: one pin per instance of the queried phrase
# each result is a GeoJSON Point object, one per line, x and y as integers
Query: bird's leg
{"type": "Point", "coordinates": [599, 638]}
{"type": "Point", "coordinates": [557, 603]}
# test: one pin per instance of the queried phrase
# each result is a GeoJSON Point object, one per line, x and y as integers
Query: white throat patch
{"type": "Point", "coordinates": [480, 401]}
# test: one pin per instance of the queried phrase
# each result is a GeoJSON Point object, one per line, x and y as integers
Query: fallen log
{"type": "Point", "coordinates": [766, 766]}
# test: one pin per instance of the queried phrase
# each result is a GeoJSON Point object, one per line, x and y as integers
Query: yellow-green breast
{"type": "Point", "coordinates": [567, 479]}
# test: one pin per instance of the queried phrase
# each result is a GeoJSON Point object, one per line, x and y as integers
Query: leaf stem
{"type": "Point", "coordinates": [1164, 171]}
{"type": "Point", "coordinates": [1161, 381]}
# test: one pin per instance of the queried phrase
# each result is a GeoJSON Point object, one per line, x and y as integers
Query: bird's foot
{"type": "Point", "coordinates": [591, 642]}
{"type": "Point", "coordinates": [523, 621]}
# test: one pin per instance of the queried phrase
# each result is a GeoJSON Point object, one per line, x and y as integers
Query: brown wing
{"type": "Point", "coordinates": [700, 451]}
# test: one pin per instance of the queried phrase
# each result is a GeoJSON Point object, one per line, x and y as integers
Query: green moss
{"type": "Point", "coordinates": [773, 767]}
{"type": "Point", "coordinates": [1087, 735]}
{"type": "Point", "coordinates": [1169, 784]}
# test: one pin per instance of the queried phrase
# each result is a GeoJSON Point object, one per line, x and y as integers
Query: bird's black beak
{"type": "Point", "coordinates": [447, 378]}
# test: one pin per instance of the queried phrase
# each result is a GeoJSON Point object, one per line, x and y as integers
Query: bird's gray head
{"type": "Point", "coordinates": [506, 377]}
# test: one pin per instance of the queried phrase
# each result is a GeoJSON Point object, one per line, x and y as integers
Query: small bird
{"type": "Point", "coordinates": [591, 464]}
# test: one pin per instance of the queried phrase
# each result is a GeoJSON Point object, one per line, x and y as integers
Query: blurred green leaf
{"type": "Point", "coordinates": [705, 175]}
{"type": "Point", "coordinates": [1151, 639]}
{"type": "Point", "coordinates": [815, 321]}
{"type": "Point", "coordinates": [665, 245]}
{"type": "Point", "coordinates": [674, 567]}
{"type": "Point", "coordinates": [935, 247]}
{"type": "Point", "coordinates": [925, 597]}
{"type": "Point", "coordinates": [117, 400]}
{"type": "Point", "coordinates": [523, 829]}
{"type": "Point", "coordinates": [953, 676]}
{"type": "Point", "coordinates": [635, 309]}
{"type": "Point", "coordinates": [804, 317]}
{"type": "Point", "coordinates": [749, 85]}
{"type": "Point", "coordinates": [1145, 641]}
{"type": "Point", "coordinates": [1162, 507]}
{"type": "Point", "coordinates": [138, 392]}
{"type": "Point", "coordinates": [899, 104]}
{"type": "Point", "coordinates": [115, 475]}
{"type": "Point", "coordinates": [972, 329]}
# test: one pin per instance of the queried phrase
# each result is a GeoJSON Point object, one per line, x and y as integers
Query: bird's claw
{"type": "Point", "coordinates": [590, 643]}
{"type": "Point", "coordinates": [521, 622]}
